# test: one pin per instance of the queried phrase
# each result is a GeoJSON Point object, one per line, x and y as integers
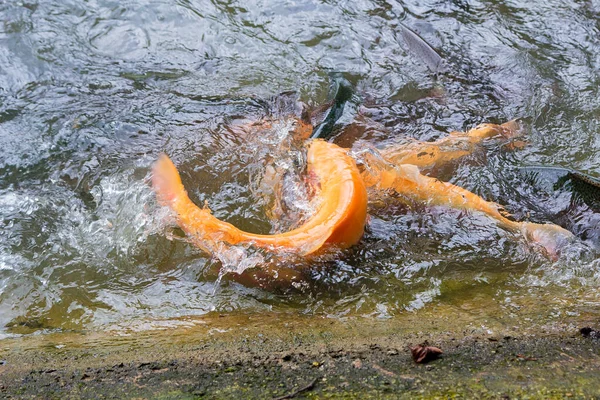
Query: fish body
{"type": "Point", "coordinates": [449, 149]}
{"type": "Point", "coordinates": [407, 181]}
{"type": "Point", "coordinates": [583, 186]}
{"type": "Point", "coordinates": [339, 219]}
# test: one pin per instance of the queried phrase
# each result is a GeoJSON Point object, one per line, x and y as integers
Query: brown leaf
{"type": "Point", "coordinates": [424, 353]}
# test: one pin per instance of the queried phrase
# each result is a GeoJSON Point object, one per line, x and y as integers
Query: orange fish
{"type": "Point", "coordinates": [339, 219]}
{"type": "Point", "coordinates": [448, 149]}
{"type": "Point", "coordinates": [407, 180]}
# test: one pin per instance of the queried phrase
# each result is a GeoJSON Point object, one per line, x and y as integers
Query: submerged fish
{"type": "Point", "coordinates": [583, 186]}
{"type": "Point", "coordinates": [448, 149]}
{"type": "Point", "coordinates": [339, 220]}
{"type": "Point", "coordinates": [463, 74]}
{"type": "Point", "coordinates": [417, 45]}
{"type": "Point", "coordinates": [407, 180]}
{"type": "Point", "coordinates": [325, 117]}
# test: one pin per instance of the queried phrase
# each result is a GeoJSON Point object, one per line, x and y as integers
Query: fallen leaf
{"type": "Point", "coordinates": [424, 353]}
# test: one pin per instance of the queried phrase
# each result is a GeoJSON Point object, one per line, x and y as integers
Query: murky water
{"type": "Point", "coordinates": [92, 91]}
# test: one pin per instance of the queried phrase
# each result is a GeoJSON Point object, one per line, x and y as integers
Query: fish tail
{"type": "Point", "coordinates": [202, 228]}
{"type": "Point", "coordinates": [166, 182]}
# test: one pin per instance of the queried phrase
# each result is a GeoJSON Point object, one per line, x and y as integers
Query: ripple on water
{"type": "Point", "coordinates": [119, 39]}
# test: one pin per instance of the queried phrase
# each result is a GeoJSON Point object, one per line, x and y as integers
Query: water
{"type": "Point", "coordinates": [91, 92]}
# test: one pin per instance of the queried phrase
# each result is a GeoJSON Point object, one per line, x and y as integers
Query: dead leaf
{"type": "Point", "coordinates": [424, 353]}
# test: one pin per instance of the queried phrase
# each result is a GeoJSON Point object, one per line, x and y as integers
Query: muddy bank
{"type": "Point", "coordinates": [270, 356]}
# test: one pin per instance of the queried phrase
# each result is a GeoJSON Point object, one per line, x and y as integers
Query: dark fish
{"type": "Point", "coordinates": [583, 186]}
{"type": "Point", "coordinates": [585, 178]}
{"type": "Point", "coordinates": [465, 73]}
{"type": "Point", "coordinates": [417, 45]}
{"type": "Point", "coordinates": [325, 117]}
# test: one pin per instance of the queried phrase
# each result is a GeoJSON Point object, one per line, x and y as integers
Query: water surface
{"type": "Point", "coordinates": [92, 91]}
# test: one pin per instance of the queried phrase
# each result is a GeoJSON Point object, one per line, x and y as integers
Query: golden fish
{"type": "Point", "coordinates": [407, 180]}
{"type": "Point", "coordinates": [448, 149]}
{"type": "Point", "coordinates": [339, 220]}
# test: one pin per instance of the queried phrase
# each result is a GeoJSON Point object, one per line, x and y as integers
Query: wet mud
{"type": "Point", "coordinates": [284, 356]}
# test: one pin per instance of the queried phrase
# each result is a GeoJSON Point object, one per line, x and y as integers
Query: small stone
{"type": "Point", "coordinates": [357, 363]}
{"type": "Point", "coordinates": [590, 333]}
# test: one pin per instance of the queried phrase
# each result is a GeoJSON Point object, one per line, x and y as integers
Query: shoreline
{"type": "Point", "coordinates": [274, 355]}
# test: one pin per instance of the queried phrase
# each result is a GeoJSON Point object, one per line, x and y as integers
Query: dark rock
{"type": "Point", "coordinates": [590, 333]}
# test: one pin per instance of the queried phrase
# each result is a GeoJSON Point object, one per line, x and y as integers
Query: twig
{"type": "Point", "coordinates": [384, 371]}
{"type": "Point", "coordinates": [306, 388]}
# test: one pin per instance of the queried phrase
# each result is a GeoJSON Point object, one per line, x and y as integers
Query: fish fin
{"type": "Point", "coordinates": [166, 182]}
{"type": "Point", "coordinates": [418, 46]}
{"type": "Point", "coordinates": [504, 212]}
{"type": "Point", "coordinates": [319, 114]}
{"type": "Point", "coordinates": [562, 173]}
{"type": "Point", "coordinates": [325, 117]}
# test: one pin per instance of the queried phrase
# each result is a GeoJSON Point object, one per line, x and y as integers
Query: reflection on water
{"type": "Point", "coordinates": [91, 92]}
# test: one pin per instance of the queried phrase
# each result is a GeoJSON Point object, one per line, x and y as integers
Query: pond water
{"type": "Point", "coordinates": [91, 92]}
